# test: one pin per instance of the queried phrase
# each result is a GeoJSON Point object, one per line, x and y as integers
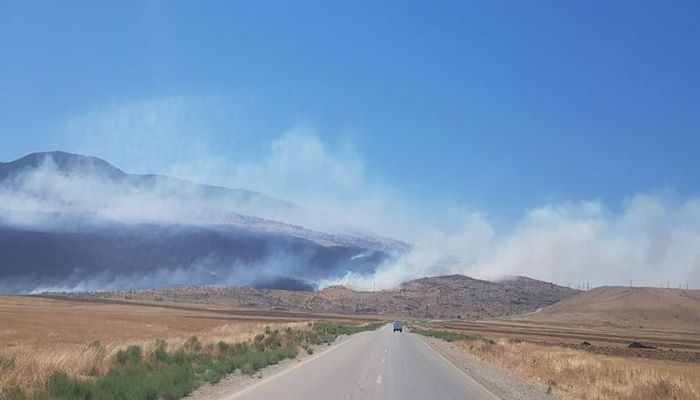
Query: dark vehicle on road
{"type": "Point", "coordinates": [398, 326]}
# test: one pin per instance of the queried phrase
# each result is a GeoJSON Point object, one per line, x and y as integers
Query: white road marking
{"type": "Point", "coordinates": [464, 373]}
{"type": "Point", "coordinates": [379, 379]}
{"type": "Point", "coordinates": [383, 360]}
{"type": "Point", "coordinates": [323, 353]}
{"type": "Point", "coordinates": [386, 350]}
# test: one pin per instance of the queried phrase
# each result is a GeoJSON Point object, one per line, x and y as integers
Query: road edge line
{"type": "Point", "coordinates": [293, 367]}
{"type": "Point", "coordinates": [493, 395]}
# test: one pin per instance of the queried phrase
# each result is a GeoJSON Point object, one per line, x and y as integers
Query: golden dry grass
{"type": "Point", "coordinates": [628, 308]}
{"type": "Point", "coordinates": [583, 375]}
{"type": "Point", "coordinates": [39, 337]}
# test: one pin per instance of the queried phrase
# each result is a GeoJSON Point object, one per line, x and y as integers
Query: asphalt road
{"type": "Point", "coordinates": [371, 365]}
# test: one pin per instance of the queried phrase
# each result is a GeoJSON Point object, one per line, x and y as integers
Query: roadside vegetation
{"type": "Point", "coordinates": [155, 372]}
{"type": "Point", "coordinates": [578, 373]}
{"type": "Point", "coordinates": [448, 336]}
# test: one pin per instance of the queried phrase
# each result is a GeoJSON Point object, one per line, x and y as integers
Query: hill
{"type": "Point", "coordinates": [453, 296]}
{"type": "Point", "coordinates": [623, 307]}
{"type": "Point", "coordinates": [74, 222]}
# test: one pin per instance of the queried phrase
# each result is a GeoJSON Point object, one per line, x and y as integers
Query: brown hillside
{"type": "Point", "coordinates": [645, 308]}
{"type": "Point", "coordinates": [454, 296]}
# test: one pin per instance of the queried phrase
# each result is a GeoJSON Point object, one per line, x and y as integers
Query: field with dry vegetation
{"type": "Point", "coordinates": [577, 373]}
{"type": "Point", "coordinates": [41, 337]}
{"type": "Point", "coordinates": [590, 376]}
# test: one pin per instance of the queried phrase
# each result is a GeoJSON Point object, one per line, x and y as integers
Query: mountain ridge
{"type": "Point", "coordinates": [73, 163]}
{"type": "Point", "coordinates": [78, 164]}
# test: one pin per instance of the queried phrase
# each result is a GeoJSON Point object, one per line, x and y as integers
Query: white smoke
{"type": "Point", "coordinates": [651, 240]}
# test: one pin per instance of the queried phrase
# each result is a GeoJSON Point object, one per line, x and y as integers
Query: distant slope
{"type": "Point", "coordinates": [652, 308]}
{"type": "Point", "coordinates": [74, 222]}
{"type": "Point", "coordinates": [454, 296]}
{"type": "Point", "coordinates": [119, 256]}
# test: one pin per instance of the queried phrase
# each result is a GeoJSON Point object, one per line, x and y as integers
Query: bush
{"type": "Point", "coordinates": [193, 345]}
{"type": "Point", "coordinates": [160, 354]}
{"type": "Point", "coordinates": [223, 347]}
{"type": "Point", "coordinates": [248, 369]}
{"type": "Point", "coordinates": [132, 355]}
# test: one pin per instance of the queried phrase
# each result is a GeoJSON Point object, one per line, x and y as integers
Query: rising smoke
{"type": "Point", "coordinates": [652, 239]}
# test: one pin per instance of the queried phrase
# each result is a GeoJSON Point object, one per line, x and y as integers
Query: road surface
{"type": "Point", "coordinates": [371, 365]}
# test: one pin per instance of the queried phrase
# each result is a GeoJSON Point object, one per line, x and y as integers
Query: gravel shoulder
{"type": "Point", "coordinates": [500, 383]}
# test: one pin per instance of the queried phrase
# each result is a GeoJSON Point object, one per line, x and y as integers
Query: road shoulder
{"type": "Point", "coordinates": [237, 382]}
{"type": "Point", "coordinates": [498, 382]}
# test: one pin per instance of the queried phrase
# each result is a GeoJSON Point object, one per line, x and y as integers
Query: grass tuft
{"type": "Point", "coordinates": [132, 355]}
{"type": "Point", "coordinates": [193, 345]}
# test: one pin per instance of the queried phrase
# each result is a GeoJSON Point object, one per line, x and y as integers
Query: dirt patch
{"type": "Point", "coordinates": [638, 345]}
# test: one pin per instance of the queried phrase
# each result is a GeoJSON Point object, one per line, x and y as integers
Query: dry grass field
{"type": "Point", "coordinates": [639, 308]}
{"type": "Point", "coordinates": [671, 345]}
{"type": "Point", "coordinates": [39, 336]}
{"type": "Point", "coordinates": [582, 375]}
{"type": "Point", "coordinates": [548, 346]}
{"type": "Point", "coordinates": [609, 318]}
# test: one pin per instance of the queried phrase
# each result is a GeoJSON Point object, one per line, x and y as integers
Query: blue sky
{"type": "Point", "coordinates": [499, 106]}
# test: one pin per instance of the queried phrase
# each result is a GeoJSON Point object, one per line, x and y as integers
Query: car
{"type": "Point", "coordinates": [398, 326]}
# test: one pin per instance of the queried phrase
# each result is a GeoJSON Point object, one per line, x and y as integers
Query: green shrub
{"type": "Point", "coordinates": [223, 347]}
{"type": "Point", "coordinates": [160, 354]}
{"type": "Point", "coordinates": [193, 345]}
{"type": "Point", "coordinates": [248, 369]}
{"type": "Point", "coordinates": [132, 355]}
